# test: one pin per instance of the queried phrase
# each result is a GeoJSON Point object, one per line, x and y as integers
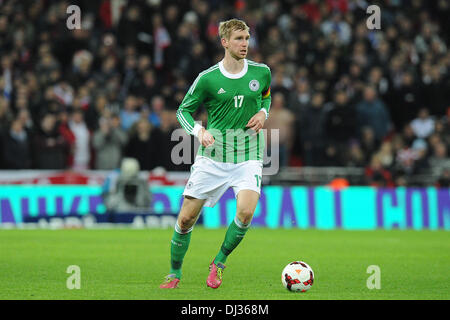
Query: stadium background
{"type": "Point", "coordinates": [355, 107]}
{"type": "Point", "coordinates": [364, 116]}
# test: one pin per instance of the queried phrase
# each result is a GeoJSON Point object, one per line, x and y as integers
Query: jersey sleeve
{"type": "Point", "coordinates": [266, 96]}
{"type": "Point", "coordinates": [192, 100]}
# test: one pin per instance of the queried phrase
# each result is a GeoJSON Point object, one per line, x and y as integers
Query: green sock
{"type": "Point", "coordinates": [233, 237]}
{"type": "Point", "coordinates": [178, 248]}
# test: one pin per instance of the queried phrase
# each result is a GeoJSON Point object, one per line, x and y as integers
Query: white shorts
{"type": "Point", "coordinates": [210, 179]}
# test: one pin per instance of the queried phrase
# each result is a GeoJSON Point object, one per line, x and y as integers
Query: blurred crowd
{"type": "Point", "coordinates": [342, 94]}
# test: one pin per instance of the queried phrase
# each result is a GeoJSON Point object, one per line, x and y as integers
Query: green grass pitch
{"type": "Point", "coordinates": [130, 264]}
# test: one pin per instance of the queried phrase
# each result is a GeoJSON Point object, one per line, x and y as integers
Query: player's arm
{"type": "Point", "coordinates": [192, 100]}
{"type": "Point", "coordinates": [266, 100]}
{"type": "Point", "coordinates": [257, 121]}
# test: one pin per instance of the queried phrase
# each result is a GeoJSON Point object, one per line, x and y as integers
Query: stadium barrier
{"type": "Point", "coordinates": [351, 208]}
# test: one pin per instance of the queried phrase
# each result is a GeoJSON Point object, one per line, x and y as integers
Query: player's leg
{"type": "Point", "coordinates": [187, 217]}
{"type": "Point", "coordinates": [246, 202]}
{"type": "Point", "coordinates": [245, 208]}
{"type": "Point", "coordinates": [181, 238]}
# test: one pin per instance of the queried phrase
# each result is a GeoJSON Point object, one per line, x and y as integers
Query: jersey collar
{"type": "Point", "coordinates": [233, 75]}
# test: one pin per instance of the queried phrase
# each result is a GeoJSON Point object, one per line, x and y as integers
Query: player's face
{"type": "Point", "coordinates": [237, 45]}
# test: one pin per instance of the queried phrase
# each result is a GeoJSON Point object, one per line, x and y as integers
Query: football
{"type": "Point", "coordinates": [297, 276]}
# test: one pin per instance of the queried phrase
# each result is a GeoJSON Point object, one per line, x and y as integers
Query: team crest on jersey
{"type": "Point", "coordinates": [254, 85]}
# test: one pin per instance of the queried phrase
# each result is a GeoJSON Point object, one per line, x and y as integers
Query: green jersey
{"type": "Point", "coordinates": [230, 101]}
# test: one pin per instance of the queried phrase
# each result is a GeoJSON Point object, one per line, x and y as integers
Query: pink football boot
{"type": "Point", "coordinates": [215, 275]}
{"type": "Point", "coordinates": [170, 283]}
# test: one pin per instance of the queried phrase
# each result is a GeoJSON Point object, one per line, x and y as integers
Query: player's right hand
{"type": "Point", "coordinates": [205, 138]}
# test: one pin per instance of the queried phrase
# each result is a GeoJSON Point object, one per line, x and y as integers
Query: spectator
{"type": "Point", "coordinates": [427, 36]}
{"type": "Point", "coordinates": [341, 119]}
{"type": "Point", "coordinates": [157, 107]}
{"type": "Point", "coordinates": [107, 72]}
{"type": "Point", "coordinates": [130, 24]}
{"type": "Point", "coordinates": [131, 75]}
{"type": "Point", "coordinates": [141, 145]}
{"type": "Point", "coordinates": [372, 112]}
{"type": "Point", "coordinates": [312, 134]}
{"type": "Point", "coordinates": [96, 110]}
{"type": "Point", "coordinates": [81, 67]}
{"type": "Point", "coordinates": [386, 155]}
{"type": "Point", "coordinates": [423, 125]}
{"type": "Point", "coordinates": [419, 147]}
{"type": "Point", "coordinates": [376, 78]}
{"type": "Point", "coordinates": [444, 179]}
{"type": "Point", "coordinates": [274, 42]}
{"type": "Point", "coordinates": [108, 142]}
{"type": "Point", "coordinates": [300, 97]}
{"type": "Point", "coordinates": [312, 11]}
{"type": "Point", "coordinates": [68, 135]}
{"type": "Point", "coordinates": [197, 61]}
{"type": "Point", "coordinates": [24, 117]}
{"type": "Point", "coordinates": [280, 119]}
{"type": "Point", "coordinates": [82, 147]}
{"type": "Point", "coordinates": [405, 157]}
{"type": "Point", "coordinates": [161, 41]}
{"type": "Point", "coordinates": [339, 26]}
{"type": "Point", "coordinates": [48, 68]}
{"type": "Point", "coordinates": [337, 6]}
{"type": "Point", "coordinates": [281, 83]}
{"type": "Point", "coordinates": [16, 147]}
{"type": "Point", "coordinates": [49, 145]}
{"type": "Point", "coordinates": [435, 90]}
{"type": "Point", "coordinates": [439, 160]}
{"type": "Point", "coordinates": [377, 175]}
{"type": "Point", "coordinates": [383, 53]}
{"type": "Point", "coordinates": [406, 102]}
{"type": "Point", "coordinates": [6, 116]}
{"type": "Point", "coordinates": [408, 135]}
{"type": "Point", "coordinates": [355, 156]}
{"type": "Point", "coordinates": [148, 87]}
{"type": "Point", "coordinates": [129, 114]}
{"type": "Point", "coordinates": [369, 144]}
{"type": "Point", "coordinates": [332, 156]}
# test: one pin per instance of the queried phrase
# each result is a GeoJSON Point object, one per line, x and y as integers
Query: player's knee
{"type": "Point", "coordinates": [245, 216]}
{"type": "Point", "coordinates": [186, 222]}
{"type": "Point", "coordinates": [247, 220]}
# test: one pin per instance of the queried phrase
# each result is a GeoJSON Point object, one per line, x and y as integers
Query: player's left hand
{"type": "Point", "coordinates": [257, 121]}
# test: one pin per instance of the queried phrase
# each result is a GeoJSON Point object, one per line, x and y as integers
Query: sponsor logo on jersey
{"type": "Point", "coordinates": [254, 85]}
{"type": "Point", "coordinates": [221, 91]}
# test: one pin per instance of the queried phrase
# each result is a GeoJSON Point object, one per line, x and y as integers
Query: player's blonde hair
{"type": "Point", "coordinates": [226, 27]}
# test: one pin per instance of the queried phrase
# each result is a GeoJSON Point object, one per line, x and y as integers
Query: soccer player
{"type": "Point", "coordinates": [236, 94]}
